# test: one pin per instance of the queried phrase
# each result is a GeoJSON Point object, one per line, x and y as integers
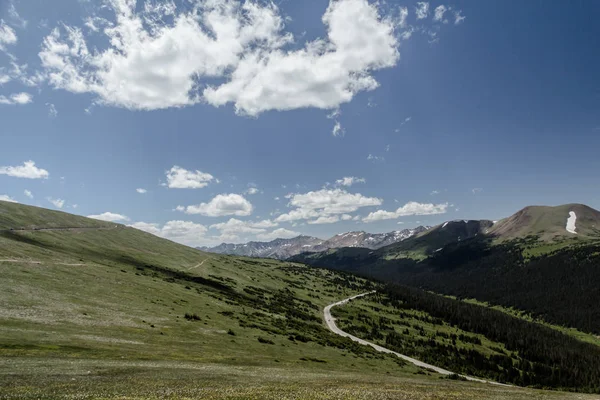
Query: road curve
{"type": "Point", "coordinates": [333, 327]}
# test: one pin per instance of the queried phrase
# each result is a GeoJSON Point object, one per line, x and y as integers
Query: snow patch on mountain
{"type": "Point", "coordinates": [571, 222]}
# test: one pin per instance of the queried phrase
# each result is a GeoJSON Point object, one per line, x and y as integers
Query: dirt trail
{"type": "Point", "coordinates": [199, 264]}
{"type": "Point", "coordinates": [333, 327]}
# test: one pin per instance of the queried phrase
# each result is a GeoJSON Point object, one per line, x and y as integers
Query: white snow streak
{"type": "Point", "coordinates": [571, 222]}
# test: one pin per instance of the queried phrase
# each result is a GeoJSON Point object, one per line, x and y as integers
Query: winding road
{"type": "Point", "coordinates": [333, 327]}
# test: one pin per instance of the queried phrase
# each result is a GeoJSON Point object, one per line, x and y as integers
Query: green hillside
{"type": "Point", "coordinates": [528, 261]}
{"type": "Point", "coordinates": [91, 309]}
{"type": "Point", "coordinates": [549, 223]}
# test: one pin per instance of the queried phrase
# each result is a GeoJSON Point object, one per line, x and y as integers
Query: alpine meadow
{"type": "Point", "coordinates": [334, 199]}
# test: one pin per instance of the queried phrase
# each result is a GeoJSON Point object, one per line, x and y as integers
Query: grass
{"type": "Point", "coordinates": [101, 313]}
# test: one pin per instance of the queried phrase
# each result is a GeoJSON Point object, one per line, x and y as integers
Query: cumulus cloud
{"type": "Point", "coordinates": [52, 112]}
{"type": "Point", "coordinates": [375, 159]}
{"type": "Point", "coordinates": [141, 191]}
{"type": "Point", "coordinates": [338, 130]}
{"type": "Point", "coordinates": [150, 64]}
{"type": "Point", "coordinates": [403, 16]}
{"type": "Point", "coordinates": [5, 197]}
{"type": "Point", "coordinates": [438, 14]}
{"type": "Point", "coordinates": [422, 9]}
{"type": "Point", "coordinates": [28, 170]}
{"type": "Point", "coordinates": [16, 99]}
{"type": "Point", "coordinates": [410, 208]}
{"type": "Point", "coordinates": [7, 35]}
{"type": "Point", "coordinates": [110, 217]}
{"type": "Point", "coordinates": [349, 181]}
{"type": "Point", "coordinates": [58, 203]}
{"type": "Point", "coordinates": [280, 233]}
{"type": "Point", "coordinates": [28, 193]}
{"type": "Point", "coordinates": [184, 232]}
{"type": "Point", "coordinates": [458, 17]}
{"type": "Point", "coordinates": [476, 190]}
{"type": "Point", "coordinates": [221, 205]}
{"type": "Point", "coordinates": [180, 178]}
{"type": "Point", "coordinates": [234, 228]}
{"type": "Point", "coordinates": [331, 219]}
{"type": "Point", "coordinates": [325, 203]}
{"type": "Point", "coordinates": [251, 191]}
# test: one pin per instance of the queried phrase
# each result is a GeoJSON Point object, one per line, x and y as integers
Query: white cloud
{"type": "Point", "coordinates": [476, 190]}
{"type": "Point", "coordinates": [147, 227]}
{"type": "Point", "coordinates": [406, 121]}
{"type": "Point", "coordinates": [184, 232]}
{"type": "Point", "coordinates": [221, 205]}
{"type": "Point", "coordinates": [422, 9]}
{"type": "Point", "coordinates": [15, 18]}
{"type": "Point", "coordinates": [16, 99]}
{"type": "Point", "coordinates": [233, 228]}
{"type": "Point", "coordinates": [325, 203]}
{"type": "Point", "coordinates": [251, 191]}
{"type": "Point", "coordinates": [338, 130]}
{"type": "Point", "coordinates": [180, 178]}
{"type": "Point", "coordinates": [141, 191]}
{"type": "Point", "coordinates": [375, 159]}
{"type": "Point", "coordinates": [439, 13]}
{"type": "Point", "coordinates": [243, 43]}
{"type": "Point", "coordinates": [58, 203]}
{"type": "Point", "coordinates": [7, 35]}
{"type": "Point", "coordinates": [434, 192]}
{"type": "Point", "coordinates": [28, 193]}
{"type": "Point", "coordinates": [410, 208]}
{"type": "Point", "coordinates": [52, 112]}
{"type": "Point", "coordinates": [5, 197]}
{"type": "Point", "coordinates": [331, 219]}
{"type": "Point", "coordinates": [280, 233]}
{"type": "Point", "coordinates": [346, 217]}
{"type": "Point", "coordinates": [403, 16]}
{"type": "Point", "coordinates": [4, 79]}
{"type": "Point", "coordinates": [349, 181]}
{"type": "Point", "coordinates": [110, 217]}
{"type": "Point", "coordinates": [27, 170]}
{"type": "Point", "coordinates": [458, 17]}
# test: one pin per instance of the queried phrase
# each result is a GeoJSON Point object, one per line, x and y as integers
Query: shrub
{"type": "Point", "coordinates": [192, 317]}
{"type": "Point", "coordinates": [265, 341]}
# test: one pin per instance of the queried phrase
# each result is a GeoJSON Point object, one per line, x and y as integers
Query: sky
{"type": "Point", "coordinates": [209, 121]}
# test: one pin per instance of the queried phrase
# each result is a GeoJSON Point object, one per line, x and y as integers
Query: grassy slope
{"type": "Point", "coordinates": [100, 313]}
{"type": "Point", "coordinates": [549, 223]}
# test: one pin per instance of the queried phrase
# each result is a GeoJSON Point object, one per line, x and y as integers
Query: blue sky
{"type": "Point", "coordinates": [241, 122]}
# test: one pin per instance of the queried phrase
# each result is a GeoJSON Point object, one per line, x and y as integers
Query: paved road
{"type": "Point", "coordinates": [333, 327]}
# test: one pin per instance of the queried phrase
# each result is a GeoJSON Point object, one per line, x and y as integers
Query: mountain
{"type": "Point", "coordinates": [285, 248]}
{"type": "Point", "coordinates": [549, 223]}
{"type": "Point", "coordinates": [278, 248]}
{"type": "Point", "coordinates": [367, 240]}
{"type": "Point", "coordinates": [93, 309]}
{"type": "Point", "coordinates": [432, 240]}
{"type": "Point", "coordinates": [544, 260]}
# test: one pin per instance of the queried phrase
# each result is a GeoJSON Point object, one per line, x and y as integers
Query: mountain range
{"type": "Point", "coordinates": [285, 248]}
{"type": "Point", "coordinates": [143, 316]}
{"type": "Point", "coordinates": [536, 260]}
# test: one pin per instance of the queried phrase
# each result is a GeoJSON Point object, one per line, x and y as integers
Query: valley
{"type": "Point", "coordinates": [105, 310]}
